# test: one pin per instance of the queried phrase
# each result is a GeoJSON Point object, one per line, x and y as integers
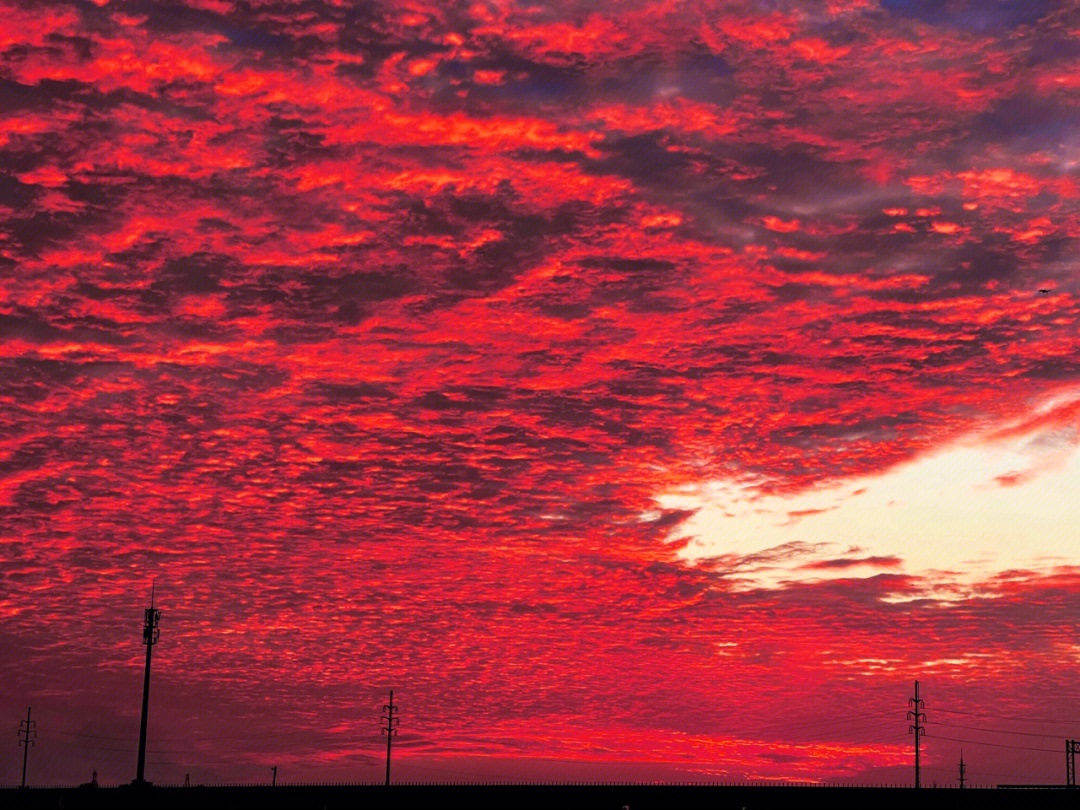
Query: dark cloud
{"type": "Point", "coordinates": [851, 562]}
{"type": "Point", "coordinates": [974, 15]}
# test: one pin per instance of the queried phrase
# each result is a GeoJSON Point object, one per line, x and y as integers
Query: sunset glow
{"type": "Point", "coordinates": [644, 390]}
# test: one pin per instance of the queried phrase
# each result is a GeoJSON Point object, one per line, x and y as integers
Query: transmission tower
{"type": "Point", "coordinates": [962, 767]}
{"type": "Point", "coordinates": [150, 638]}
{"type": "Point", "coordinates": [919, 716]}
{"type": "Point", "coordinates": [1071, 747]}
{"type": "Point", "coordinates": [390, 729]}
{"type": "Point", "coordinates": [27, 733]}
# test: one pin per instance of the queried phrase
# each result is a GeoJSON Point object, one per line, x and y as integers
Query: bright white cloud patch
{"type": "Point", "coordinates": [1005, 499]}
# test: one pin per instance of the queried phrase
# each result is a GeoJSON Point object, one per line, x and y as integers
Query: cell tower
{"type": "Point", "coordinates": [150, 638]}
{"type": "Point", "coordinates": [390, 730]}
{"type": "Point", "coordinates": [919, 716]}
{"type": "Point", "coordinates": [27, 733]}
{"type": "Point", "coordinates": [962, 767]}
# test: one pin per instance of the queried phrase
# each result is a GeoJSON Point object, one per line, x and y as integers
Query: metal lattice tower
{"type": "Point", "coordinates": [390, 729]}
{"type": "Point", "coordinates": [919, 716]}
{"type": "Point", "coordinates": [1071, 747]}
{"type": "Point", "coordinates": [962, 767]}
{"type": "Point", "coordinates": [150, 638]}
{"type": "Point", "coordinates": [27, 733]}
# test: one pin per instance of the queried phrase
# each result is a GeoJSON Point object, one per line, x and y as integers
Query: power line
{"type": "Point", "coordinates": [997, 745]}
{"type": "Point", "coordinates": [980, 773]}
{"type": "Point", "coordinates": [66, 715]}
{"type": "Point", "coordinates": [996, 730]}
{"type": "Point", "coordinates": [447, 770]}
{"type": "Point", "coordinates": [892, 738]}
{"type": "Point", "coordinates": [1006, 717]}
{"type": "Point", "coordinates": [846, 730]}
{"type": "Point", "coordinates": [133, 750]}
{"type": "Point", "coordinates": [842, 719]}
{"type": "Point", "coordinates": [84, 754]}
{"type": "Point", "coordinates": [91, 736]}
{"type": "Point", "coordinates": [103, 747]}
{"type": "Point", "coordinates": [241, 750]}
{"type": "Point", "coordinates": [197, 739]}
{"type": "Point", "coordinates": [184, 739]}
{"type": "Point", "coordinates": [813, 723]}
{"type": "Point", "coordinates": [873, 740]}
{"type": "Point", "coordinates": [248, 736]}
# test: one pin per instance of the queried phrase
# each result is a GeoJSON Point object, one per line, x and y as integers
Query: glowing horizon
{"type": "Point", "coordinates": [996, 501]}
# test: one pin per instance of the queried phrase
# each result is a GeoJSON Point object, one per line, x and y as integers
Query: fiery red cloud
{"type": "Point", "coordinates": [378, 333]}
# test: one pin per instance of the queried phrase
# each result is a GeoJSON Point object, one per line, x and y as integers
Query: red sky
{"type": "Point", "coordinates": [647, 392]}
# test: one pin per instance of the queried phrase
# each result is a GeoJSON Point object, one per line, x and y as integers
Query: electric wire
{"type": "Point", "coordinates": [995, 745]}
{"type": "Point", "coordinates": [996, 730]}
{"type": "Point", "coordinates": [1005, 717]}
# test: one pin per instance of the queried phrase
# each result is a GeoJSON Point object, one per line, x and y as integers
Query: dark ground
{"type": "Point", "coordinates": [528, 797]}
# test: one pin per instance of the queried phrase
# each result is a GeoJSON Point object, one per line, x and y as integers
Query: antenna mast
{"type": "Point", "coordinates": [27, 733]}
{"type": "Point", "coordinates": [150, 638]}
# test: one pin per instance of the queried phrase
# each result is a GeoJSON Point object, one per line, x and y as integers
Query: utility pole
{"type": "Point", "coordinates": [27, 733]}
{"type": "Point", "coordinates": [1071, 747]}
{"type": "Point", "coordinates": [919, 716]}
{"type": "Point", "coordinates": [962, 768]}
{"type": "Point", "coordinates": [150, 638]}
{"type": "Point", "coordinates": [273, 779]}
{"type": "Point", "coordinates": [390, 729]}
